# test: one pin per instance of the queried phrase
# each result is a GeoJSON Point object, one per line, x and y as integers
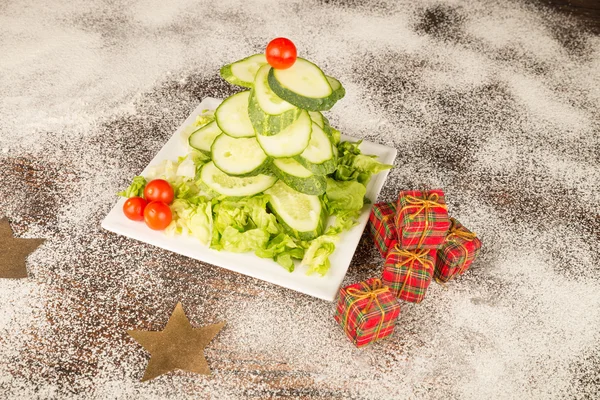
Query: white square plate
{"type": "Point", "coordinates": [325, 287]}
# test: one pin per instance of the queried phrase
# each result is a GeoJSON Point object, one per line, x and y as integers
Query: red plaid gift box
{"type": "Point", "coordinates": [408, 273]}
{"type": "Point", "coordinates": [422, 220]}
{"type": "Point", "coordinates": [457, 253]}
{"type": "Point", "coordinates": [367, 311]}
{"type": "Point", "coordinates": [382, 227]}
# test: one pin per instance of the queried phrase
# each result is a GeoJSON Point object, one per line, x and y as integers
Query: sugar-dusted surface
{"type": "Point", "coordinates": [497, 104]}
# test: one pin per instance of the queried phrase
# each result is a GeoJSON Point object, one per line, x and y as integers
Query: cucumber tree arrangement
{"type": "Point", "coordinates": [271, 170]}
{"type": "Point", "coordinates": [274, 130]}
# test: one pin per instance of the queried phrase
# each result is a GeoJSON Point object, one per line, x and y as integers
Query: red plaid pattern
{"type": "Point", "coordinates": [364, 317]}
{"type": "Point", "coordinates": [408, 273]}
{"type": "Point", "coordinates": [382, 227]}
{"type": "Point", "coordinates": [422, 220]}
{"type": "Point", "coordinates": [457, 253]}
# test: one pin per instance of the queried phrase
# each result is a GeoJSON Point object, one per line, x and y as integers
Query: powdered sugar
{"type": "Point", "coordinates": [496, 103]}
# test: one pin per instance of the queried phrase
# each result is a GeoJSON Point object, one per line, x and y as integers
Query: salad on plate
{"type": "Point", "coordinates": [265, 172]}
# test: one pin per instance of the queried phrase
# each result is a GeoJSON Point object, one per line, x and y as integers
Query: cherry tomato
{"type": "Point", "coordinates": [281, 53]}
{"type": "Point", "coordinates": [134, 208]}
{"type": "Point", "coordinates": [159, 190]}
{"type": "Point", "coordinates": [157, 215]}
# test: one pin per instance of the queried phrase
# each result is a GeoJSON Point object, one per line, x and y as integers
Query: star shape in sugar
{"type": "Point", "coordinates": [14, 252]}
{"type": "Point", "coordinates": [178, 346]}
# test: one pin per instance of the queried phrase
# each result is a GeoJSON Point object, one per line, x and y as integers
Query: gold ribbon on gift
{"type": "Point", "coordinates": [412, 257]}
{"type": "Point", "coordinates": [468, 236]}
{"type": "Point", "coordinates": [424, 204]}
{"type": "Point", "coordinates": [370, 293]}
{"type": "Point", "coordinates": [454, 231]}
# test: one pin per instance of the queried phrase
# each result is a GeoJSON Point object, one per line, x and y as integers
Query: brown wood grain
{"type": "Point", "coordinates": [586, 11]}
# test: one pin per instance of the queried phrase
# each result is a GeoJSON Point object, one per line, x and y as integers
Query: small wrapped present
{"type": "Point", "coordinates": [408, 273]}
{"type": "Point", "coordinates": [422, 220]}
{"type": "Point", "coordinates": [367, 311]}
{"type": "Point", "coordinates": [457, 253]}
{"type": "Point", "coordinates": [382, 227]}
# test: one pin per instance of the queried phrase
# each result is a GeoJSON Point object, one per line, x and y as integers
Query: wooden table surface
{"type": "Point", "coordinates": [498, 103]}
{"type": "Point", "coordinates": [586, 11]}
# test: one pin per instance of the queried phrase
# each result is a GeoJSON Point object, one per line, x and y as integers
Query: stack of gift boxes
{"type": "Point", "coordinates": [419, 242]}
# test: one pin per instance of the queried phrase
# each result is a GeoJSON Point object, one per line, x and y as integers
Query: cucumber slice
{"type": "Point", "coordinates": [297, 177]}
{"type": "Point", "coordinates": [318, 157]}
{"type": "Point", "coordinates": [323, 123]}
{"type": "Point", "coordinates": [302, 216]}
{"type": "Point", "coordinates": [234, 186]}
{"type": "Point", "coordinates": [304, 79]}
{"type": "Point", "coordinates": [317, 118]}
{"type": "Point", "coordinates": [268, 113]}
{"type": "Point", "coordinates": [242, 72]}
{"type": "Point", "coordinates": [338, 89]}
{"type": "Point", "coordinates": [289, 142]}
{"type": "Point", "coordinates": [332, 133]}
{"type": "Point", "coordinates": [266, 124]}
{"type": "Point", "coordinates": [232, 116]}
{"type": "Point", "coordinates": [239, 156]}
{"type": "Point", "coordinates": [203, 137]}
{"type": "Point", "coordinates": [305, 86]}
{"type": "Point", "coordinates": [268, 101]}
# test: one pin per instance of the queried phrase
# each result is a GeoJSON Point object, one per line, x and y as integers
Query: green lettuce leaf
{"type": "Point", "coordinates": [317, 254]}
{"type": "Point", "coordinates": [249, 212]}
{"type": "Point", "coordinates": [206, 117]}
{"type": "Point", "coordinates": [241, 242]}
{"type": "Point", "coordinates": [166, 170]}
{"type": "Point", "coordinates": [368, 166]}
{"type": "Point", "coordinates": [354, 166]}
{"type": "Point", "coordinates": [181, 174]}
{"type": "Point", "coordinates": [136, 189]}
{"type": "Point", "coordinates": [199, 158]}
{"type": "Point", "coordinates": [336, 135]}
{"type": "Point", "coordinates": [227, 215]}
{"type": "Point", "coordinates": [286, 259]}
{"type": "Point", "coordinates": [344, 196]}
{"type": "Point", "coordinates": [283, 249]}
{"type": "Point", "coordinates": [185, 168]}
{"type": "Point", "coordinates": [344, 200]}
{"type": "Point", "coordinates": [344, 221]}
{"type": "Point", "coordinates": [243, 215]}
{"type": "Point", "coordinates": [257, 208]}
{"type": "Point", "coordinates": [191, 217]}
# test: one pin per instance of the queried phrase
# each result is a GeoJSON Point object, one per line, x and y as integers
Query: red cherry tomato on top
{"type": "Point", "coordinates": [281, 53]}
{"type": "Point", "coordinates": [159, 190]}
{"type": "Point", "coordinates": [134, 208]}
{"type": "Point", "coordinates": [157, 215]}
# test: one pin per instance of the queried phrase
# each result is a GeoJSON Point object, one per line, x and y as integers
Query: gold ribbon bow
{"type": "Point", "coordinates": [370, 293]}
{"type": "Point", "coordinates": [454, 231]}
{"type": "Point", "coordinates": [424, 204]}
{"type": "Point", "coordinates": [468, 236]}
{"type": "Point", "coordinates": [412, 257]}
